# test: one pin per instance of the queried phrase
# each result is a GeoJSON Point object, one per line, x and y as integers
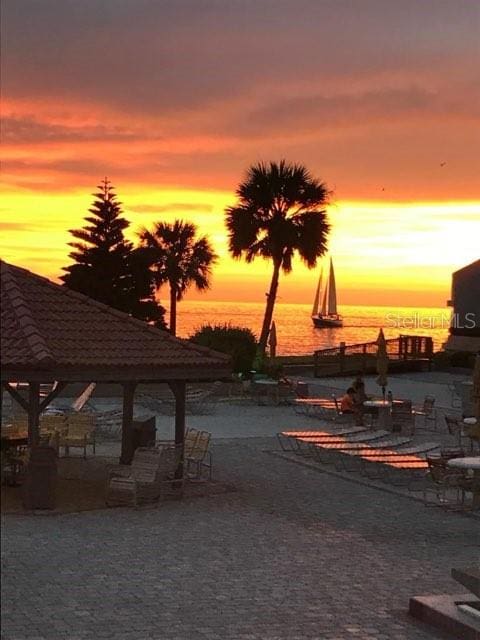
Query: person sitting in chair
{"type": "Point", "coordinates": [347, 403]}
{"type": "Point", "coordinates": [350, 404]}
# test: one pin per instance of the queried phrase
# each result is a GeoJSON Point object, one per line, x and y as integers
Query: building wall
{"type": "Point", "coordinates": [465, 329]}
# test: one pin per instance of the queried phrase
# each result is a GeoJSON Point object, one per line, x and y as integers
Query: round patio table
{"type": "Point", "coordinates": [384, 412]}
{"type": "Point", "coordinates": [469, 464]}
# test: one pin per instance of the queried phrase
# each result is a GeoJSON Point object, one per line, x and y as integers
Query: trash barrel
{"type": "Point", "coordinates": [144, 433]}
{"type": "Point", "coordinates": [40, 482]}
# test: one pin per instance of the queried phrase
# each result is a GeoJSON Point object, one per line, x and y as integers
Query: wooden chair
{"type": "Point", "coordinates": [79, 433]}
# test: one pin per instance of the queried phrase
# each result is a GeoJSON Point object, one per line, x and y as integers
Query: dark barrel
{"type": "Point", "coordinates": [144, 433]}
{"type": "Point", "coordinates": [40, 482]}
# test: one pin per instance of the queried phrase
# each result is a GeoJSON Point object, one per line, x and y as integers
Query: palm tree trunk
{"type": "Point", "coordinates": [271, 297]}
{"type": "Point", "coordinates": [173, 310]}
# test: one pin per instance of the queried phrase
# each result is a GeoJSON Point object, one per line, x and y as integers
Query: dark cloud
{"type": "Point", "coordinates": [318, 112]}
{"type": "Point", "coordinates": [165, 57]}
{"type": "Point", "coordinates": [31, 130]}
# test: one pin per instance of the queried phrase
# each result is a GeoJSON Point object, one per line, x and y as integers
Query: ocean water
{"type": "Point", "coordinates": [296, 334]}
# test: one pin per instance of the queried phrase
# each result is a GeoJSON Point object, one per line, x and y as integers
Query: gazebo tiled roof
{"type": "Point", "coordinates": [50, 328]}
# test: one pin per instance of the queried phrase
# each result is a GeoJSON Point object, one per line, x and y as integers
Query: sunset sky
{"type": "Point", "coordinates": [174, 99]}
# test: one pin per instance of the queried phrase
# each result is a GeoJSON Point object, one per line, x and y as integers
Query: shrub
{"type": "Point", "coordinates": [238, 342]}
{"type": "Point", "coordinates": [444, 360]}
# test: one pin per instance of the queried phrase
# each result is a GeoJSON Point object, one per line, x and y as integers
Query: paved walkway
{"type": "Point", "coordinates": [293, 554]}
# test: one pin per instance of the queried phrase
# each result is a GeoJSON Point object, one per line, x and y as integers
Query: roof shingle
{"type": "Point", "coordinates": [45, 325]}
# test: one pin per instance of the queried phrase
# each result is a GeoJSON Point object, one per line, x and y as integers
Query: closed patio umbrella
{"type": "Point", "coordinates": [382, 362]}
{"type": "Point", "coordinates": [272, 340]}
{"type": "Point", "coordinates": [476, 386]}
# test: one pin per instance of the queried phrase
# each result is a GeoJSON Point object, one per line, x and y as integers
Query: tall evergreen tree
{"type": "Point", "coordinates": [106, 266]}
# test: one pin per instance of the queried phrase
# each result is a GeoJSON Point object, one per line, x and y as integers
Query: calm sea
{"type": "Point", "coordinates": [296, 334]}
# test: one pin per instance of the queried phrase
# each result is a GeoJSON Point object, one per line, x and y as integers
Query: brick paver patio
{"type": "Point", "coordinates": [293, 553]}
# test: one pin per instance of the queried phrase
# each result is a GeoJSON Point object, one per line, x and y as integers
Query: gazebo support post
{"type": "Point", "coordinates": [178, 388]}
{"type": "Point", "coordinates": [16, 396]}
{"type": "Point", "coordinates": [33, 413]}
{"type": "Point", "coordinates": [127, 423]}
{"type": "Point", "coordinates": [52, 395]}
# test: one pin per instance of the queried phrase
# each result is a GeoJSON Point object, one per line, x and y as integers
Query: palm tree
{"type": "Point", "coordinates": [280, 211]}
{"type": "Point", "coordinates": [179, 259]}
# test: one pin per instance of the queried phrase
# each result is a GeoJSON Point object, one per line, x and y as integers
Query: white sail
{"type": "Point", "coordinates": [332, 292]}
{"type": "Point", "coordinates": [323, 310]}
{"type": "Point", "coordinates": [317, 295]}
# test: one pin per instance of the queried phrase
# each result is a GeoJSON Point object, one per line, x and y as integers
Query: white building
{"type": "Point", "coordinates": [465, 300]}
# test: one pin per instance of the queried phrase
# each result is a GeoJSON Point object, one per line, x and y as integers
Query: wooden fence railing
{"type": "Point", "coordinates": [347, 359]}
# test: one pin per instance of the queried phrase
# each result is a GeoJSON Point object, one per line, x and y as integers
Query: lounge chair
{"type": "Point", "coordinates": [150, 477]}
{"type": "Point", "coordinates": [289, 440]}
{"type": "Point", "coordinates": [385, 464]}
{"type": "Point", "coordinates": [351, 459]}
{"type": "Point", "coordinates": [324, 451]}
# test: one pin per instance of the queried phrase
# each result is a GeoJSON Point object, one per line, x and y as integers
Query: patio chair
{"type": "Point", "coordinates": [131, 485]}
{"type": "Point", "coordinates": [403, 418]}
{"type": "Point", "coordinates": [472, 432]}
{"type": "Point", "coordinates": [189, 441]}
{"type": "Point", "coordinates": [199, 459]}
{"type": "Point", "coordinates": [428, 411]}
{"type": "Point", "coordinates": [447, 486]}
{"type": "Point", "coordinates": [52, 429]}
{"type": "Point", "coordinates": [79, 433]}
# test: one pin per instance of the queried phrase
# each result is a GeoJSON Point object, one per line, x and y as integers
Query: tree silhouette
{"type": "Point", "coordinates": [106, 266]}
{"type": "Point", "coordinates": [280, 211]}
{"type": "Point", "coordinates": [180, 260]}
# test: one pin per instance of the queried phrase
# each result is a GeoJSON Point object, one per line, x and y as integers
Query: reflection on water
{"type": "Point", "coordinates": [296, 334]}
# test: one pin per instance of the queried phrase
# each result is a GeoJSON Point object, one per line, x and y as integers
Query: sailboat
{"type": "Point", "coordinates": [327, 316]}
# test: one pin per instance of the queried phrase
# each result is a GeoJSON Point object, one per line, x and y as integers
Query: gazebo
{"type": "Point", "coordinates": [52, 334]}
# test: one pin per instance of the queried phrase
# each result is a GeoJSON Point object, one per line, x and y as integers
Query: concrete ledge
{"type": "Point", "coordinates": [442, 613]}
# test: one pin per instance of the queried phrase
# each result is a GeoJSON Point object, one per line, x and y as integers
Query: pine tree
{"type": "Point", "coordinates": [106, 266]}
